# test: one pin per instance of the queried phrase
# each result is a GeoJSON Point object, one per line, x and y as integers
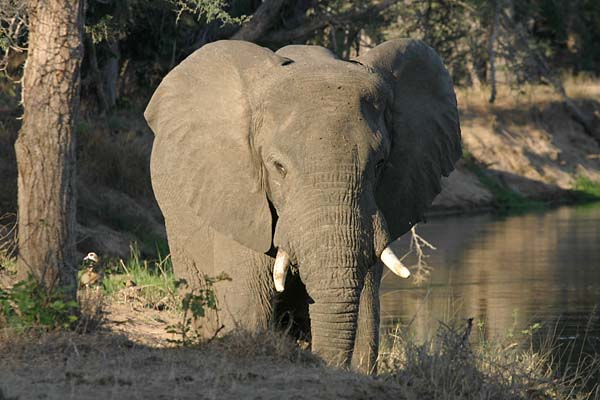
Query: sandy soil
{"type": "Point", "coordinates": [130, 358]}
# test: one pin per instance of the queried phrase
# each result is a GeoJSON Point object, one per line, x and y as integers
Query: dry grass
{"type": "Point", "coordinates": [476, 100]}
{"type": "Point", "coordinates": [582, 87]}
{"type": "Point", "coordinates": [109, 362]}
{"type": "Point", "coordinates": [115, 152]}
{"type": "Point", "coordinates": [449, 365]}
{"type": "Point", "coordinates": [239, 366]}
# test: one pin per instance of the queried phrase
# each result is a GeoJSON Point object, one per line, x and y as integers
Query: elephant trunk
{"type": "Point", "coordinates": [336, 256]}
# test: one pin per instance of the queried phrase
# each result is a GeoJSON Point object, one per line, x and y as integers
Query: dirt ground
{"type": "Point", "coordinates": [130, 358]}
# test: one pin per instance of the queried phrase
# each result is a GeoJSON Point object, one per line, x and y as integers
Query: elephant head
{"type": "Point", "coordinates": [319, 160]}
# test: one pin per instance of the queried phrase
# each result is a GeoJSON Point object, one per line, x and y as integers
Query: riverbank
{"type": "Point", "coordinates": [524, 148]}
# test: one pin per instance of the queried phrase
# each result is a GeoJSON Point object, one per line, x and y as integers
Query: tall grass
{"type": "Point", "coordinates": [150, 282]}
{"type": "Point", "coordinates": [450, 366]}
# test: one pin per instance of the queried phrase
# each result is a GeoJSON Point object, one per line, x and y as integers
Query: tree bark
{"type": "Point", "coordinates": [110, 72]}
{"type": "Point", "coordinates": [262, 19]}
{"type": "Point", "coordinates": [491, 52]}
{"type": "Point", "coordinates": [96, 75]}
{"type": "Point", "coordinates": [45, 148]}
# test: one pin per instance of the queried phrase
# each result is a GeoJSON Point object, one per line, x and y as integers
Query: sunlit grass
{"type": "Point", "coordinates": [587, 188]}
{"type": "Point", "coordinates": [579, 87]}
{"type": "Point", "coordinates": [149, 281]}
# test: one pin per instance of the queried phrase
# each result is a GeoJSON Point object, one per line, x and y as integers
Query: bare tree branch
{"type": "Point", "coordinates": [420, 270]}
{"type": "Point", "coordinates": [262, 19]}
{"type": "Point", "coordinates": [319, 22]}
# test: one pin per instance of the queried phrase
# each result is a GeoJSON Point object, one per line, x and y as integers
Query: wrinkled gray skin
{"type": "Point", "coordinates": [327, 159]}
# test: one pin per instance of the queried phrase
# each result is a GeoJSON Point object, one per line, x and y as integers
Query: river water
{"type": "Point", "coordinates": [508, 273]}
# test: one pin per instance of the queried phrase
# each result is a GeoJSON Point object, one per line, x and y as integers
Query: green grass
{"type": "Point", "coordinates": [154, 282]}
{"type": "Point", "coordinates": [587, 189]}
{"type": "Point", "coordinates": [505, 199]}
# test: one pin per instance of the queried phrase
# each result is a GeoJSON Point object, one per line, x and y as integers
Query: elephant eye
{"type": "Point", "coordinates": [280, 168]}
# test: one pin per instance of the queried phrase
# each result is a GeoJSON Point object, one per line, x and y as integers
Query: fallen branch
{"type": "Point", "coordinates": [421, 270]}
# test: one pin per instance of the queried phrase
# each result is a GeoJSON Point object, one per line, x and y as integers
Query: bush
{"type": "Point", "coordinates": [29, 305]}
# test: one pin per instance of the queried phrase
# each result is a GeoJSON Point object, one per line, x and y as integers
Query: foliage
{"type": "Point", "coordinates": [195, 305]}
{"type": "Point", "coordinates": [103, 30]}
{"type": "Point", "coordinates": [27, 305]}
{"type": "Point", "coordinates": [207, 10]}
{"type": "Point", "coordinates": [443, 25]}
{"type": "Point", "coordinates": [146, 38]}
{"type": "Point", "coordinates": [30, 305]}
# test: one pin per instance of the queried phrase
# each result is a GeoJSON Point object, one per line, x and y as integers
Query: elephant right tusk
{"type": "Point", "coordinates": [392, 261]}
{"type": "Point", "coordinates": [282, 263]}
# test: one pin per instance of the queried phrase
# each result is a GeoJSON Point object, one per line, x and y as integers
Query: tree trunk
{"type": "Point", "coordinates": [110, 72]}
{"type": "Point", "coordinates": [45, 148]}
{"type": "Point", "coordinates": [491, 52]}
{"type": "Point", "coordinates": [262, 19]}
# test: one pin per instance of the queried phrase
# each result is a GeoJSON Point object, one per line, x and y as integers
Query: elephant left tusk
{"type": "Point", "coordinates": [282, 263]}
{"type": "Point", "coordinates": [392, 261]}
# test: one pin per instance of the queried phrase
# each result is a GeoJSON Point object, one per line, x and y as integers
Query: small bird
{"type": "Point", "coordinates": [90, 276]}
{"type": "Point", "coordinates": [91, 259]}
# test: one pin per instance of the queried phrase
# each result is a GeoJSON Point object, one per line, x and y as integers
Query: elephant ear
{"type": "Point", "coordinates": [202, 158]}
{"type": "Point", "coordinates": [424, 126]}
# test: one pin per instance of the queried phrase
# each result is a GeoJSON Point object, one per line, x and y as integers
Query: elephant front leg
{"type": "Point", "coordinates": [244, 301]}
{"type": "Point", "coordinates": [366, 346]}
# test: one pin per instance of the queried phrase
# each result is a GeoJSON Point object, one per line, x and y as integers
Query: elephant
{"type": "Point", "coordinates": [292, 172]}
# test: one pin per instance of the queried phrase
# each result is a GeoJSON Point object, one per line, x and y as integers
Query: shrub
{"type": "Point", "coordinates": [30, 305]}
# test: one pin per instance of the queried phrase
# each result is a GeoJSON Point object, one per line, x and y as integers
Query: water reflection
{"type": "Point", "coordinates": [508, 272]}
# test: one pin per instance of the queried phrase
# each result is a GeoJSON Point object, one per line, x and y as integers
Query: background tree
{"type": "Point", "coordinates": [45, 147]}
